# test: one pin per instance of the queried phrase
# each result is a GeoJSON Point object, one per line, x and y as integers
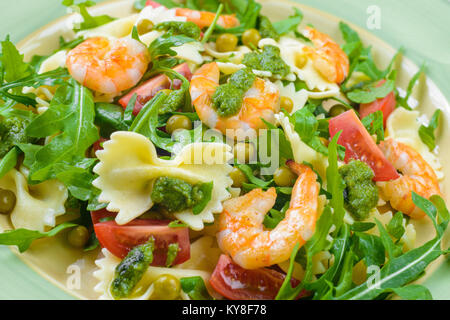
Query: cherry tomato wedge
{"type": "Point", "coordinates": [153, 4]}
{"type": "Point", "coordinates": [236, 283]}
{"type": "Point", "coordinates": [119, 240]}
{"type": "Point", "coordinates": [146, 91]}
{"type": "Point", "coordinates": [359, 145]}
{"type": "Point", "coordinates": [386, 105]}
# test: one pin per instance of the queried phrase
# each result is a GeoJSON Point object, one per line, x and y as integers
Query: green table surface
{"type": "Point", "coordinates": [421, 27]}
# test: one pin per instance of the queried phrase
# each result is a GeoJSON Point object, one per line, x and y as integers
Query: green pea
{"type": "Point", "coordinates": [251, 38]}
{"type": "Point", "coordinates": [7, 201]}
{"type": "Point", "coordinates": [287, 104]}
{"type": "Point", "coordinates": [238, 177]}
{"type": "Point", "coordinates": [145, 26]}
{"type": "Point", "coordinates": [166, 287]}
{"type": "Point", "coordinates": [337, 110]}
{"type": "Point", "coordinates": [176, 122]}
{"type": "Point", "coordinates": [78, 237]}
{"type": "Point", "coordinates": [226, 42]}
{"type": "Point", "coordinates": [284, 177]}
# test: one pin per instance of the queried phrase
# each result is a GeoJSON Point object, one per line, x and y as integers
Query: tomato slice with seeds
{"type": "Point", "coordinates": [236, 283]}
{"type": "Point", "coordinates": [146, 91]}
{"type": "Point", "coordinates": [386, 105]}
{"type": "Point", "coordinates": [359, 145]}
{"type": "Point", "coordinates": [119, 240]}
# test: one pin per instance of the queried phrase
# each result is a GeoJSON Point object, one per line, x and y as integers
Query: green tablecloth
{"type": "Point", "coordinates": [422, 27]}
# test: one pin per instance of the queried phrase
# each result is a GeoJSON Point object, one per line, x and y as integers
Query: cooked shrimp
{"type": "Point", "coordinates": [417, 176]}
{"type": "Point", "coordinates": [108, 66]}
{"type": "Point", "coordinates": [328, 57]}
{"type": "Point", "coordinates": [260, 101]}
{"type": "Point", "coordinates": [204, 18]}
{"type": "Point", "coordinates": [241, 223]}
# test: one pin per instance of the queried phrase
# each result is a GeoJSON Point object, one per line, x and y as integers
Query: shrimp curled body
{"type": "Point", "coordinates": [204, 18]}
{"type": "Point", "coordinates": [417, 176]}
{"type": "Point", "coordinates": [241, 223]}
{"type": "Point", "coordinates": [108, 66]}
{"type": "Point", "coordinates": [328, 57]}
{"type": "Point", "coordinates": [260, 101]}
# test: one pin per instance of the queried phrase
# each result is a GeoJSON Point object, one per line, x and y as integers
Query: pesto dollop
{"type": "Point", "coordinates": [188, 28]}
{"type": "Point", "coordinates": [361, 193]}
{"type": "Point", "coordinates": [228, 97]}
{"type": "Point", "coordinates": [131, 269]}
{"type": "Point", "coordinates": [267, 60]}
{"type": "Point", "coordinates": [12, 131]}
{"type": "Point", "coordinates": [177, 195]}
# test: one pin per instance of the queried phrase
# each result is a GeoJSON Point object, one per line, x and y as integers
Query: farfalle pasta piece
{"type": "Point", "coordinates": [115, 29]}
{"type": "Point", "coordinates": [105, 275]}
{"type": "Point", "coordinates": [129, 164]}
{"type": "Point", "coordinates": [302, 152]}
{"type": "Point", "coordinates": [290, 50]}
{"type": "Point", "coordinates": [402, 125]}
{"type": "Point", "coordinates": [36, 206]}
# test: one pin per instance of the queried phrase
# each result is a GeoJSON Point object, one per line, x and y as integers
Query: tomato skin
{"type": "Point", "coordinates": [119, 240]}
{"type": "Point", "coordinates": [153, 4]}
{"type": "Point", "coordinates": [236, 283]}
{"type": "Point", "coordinates": [359, 145]}
{"type": "Point", "coordinates": [146, 91]}
{"type": "Point", "coordinates": [386, 105]}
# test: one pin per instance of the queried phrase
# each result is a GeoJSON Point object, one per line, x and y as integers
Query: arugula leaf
{"type": "Point", "coordinates": [374, 124]}
{"type": "Point", "coordinates": [370, 248]}
{"type": "Point", "coordinates": [89, 21]}
{"type": "Point", "coordinates": [426, 133]}
{"type": "Point", "coordinates": [71, 112]}
{"type": "Point", "coordinates": [277, 142]}
{"type": "Point", "coordinates": [195, 288]}
{"type": "Point", "coordinates": [392, 249]}
{"type": "Point", "coordinates": [13, 66]}
{"type": "Point", "coordinates": [289, 24]}
{"type": "Point", "coordinates": [403, 269]}
{"type": "Point", "coordinates": [248, 171]}
{"type": "Point", "coordinates": [213, 25]}
{"type": "Point", "coordinates": [110, 118]}
{"type": "Point", "coordinates": [22, 238]}
{"type": "Point", "coordinates": [395, 226]}
{"type": "Point", "coordinates": [206, 190]}
{"type": "Point", "coordinates": [371, 92]}
{"type": "Point", "coordinates": [161, 46]}
{"type": "Point", "coordinates": [335, 183]}
{"type": "Point", "coordinates": [78, 179]}
{"type": "Point", "coordinates": [147, 120]}
{"type": "Point", "coordinates": [248, 17]}
{"type": "Point", "coordinates": [307, 127]}
{"type": "Point", "coordinates": [413, 292]}
{"type": "Point", "coordinates": [177, 224]}
{"type": "Point", "coordinates": [360, 226]}
{"type": "Point", "coordinates": [403, 102]}
{"type": "Point", "coordinates": [8, 162]}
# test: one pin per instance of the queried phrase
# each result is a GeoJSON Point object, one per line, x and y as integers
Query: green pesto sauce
{"type": "Point", "coordinates": [188, 28]}
{"type": "Point", "coordinates": [130, 271]}
{"type": "Point", "coordinates": [266, 28]}
{"type": "Point", "coordinates": [175, 101]}
{"type": "Point", "coordinates": [267, 60]}
{"type": "Point", "coordinates": [175, 194]}
{"type": "Point", "coordinates": [361, 191]}
{"type": "Point", "coordinates": [228, 97]}
{"type": "Point", "coordinates": [12, 131]}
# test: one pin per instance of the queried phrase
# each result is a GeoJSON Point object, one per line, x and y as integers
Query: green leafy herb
{"type": "Point", "coordinates": [203, 194]}
{"type": "Point", "coordinates": [195, 288]}
{"type": "Point", "coordinates": [289, 24]}
{"type": "Point", "coordinates": [213, 24]}
{"type": "Point", "coordinates": [89, 21]}
{"type": "Point", "coordinates": [247, 170]}
{"type": "Point", "coordinates": [403, 102]}
{"type": "Point", "coordinates": [360, 226]}
{"type": "Point", "coordinates": [177, 224]}
{"type": "Point", "coordinates": [370, 248]}
{"type": "Point", "coordinates": [395, 226]}
{"type": "Point", "coordinates": [22, 238]}
{"type": "Point", "coordinates": [371, 92]}
{"type": "Point", "coordinates": [8, 162]}
{"type": "Point", "coordinates": [71, 112]}
{"type": "Point", "coordinates": [426, 133]}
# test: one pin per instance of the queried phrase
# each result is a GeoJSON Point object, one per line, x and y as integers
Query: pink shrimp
{"type": "Point", "coordinates": [108, 66]}
{"type": "Point", "coordinates": [260, 101]}
{"type": "Point", "coordinates": [242, 234]}
{"type": "Point", "coordinates": [328, 57]}
{"type": "Point", "coordinates": [417, 176]}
